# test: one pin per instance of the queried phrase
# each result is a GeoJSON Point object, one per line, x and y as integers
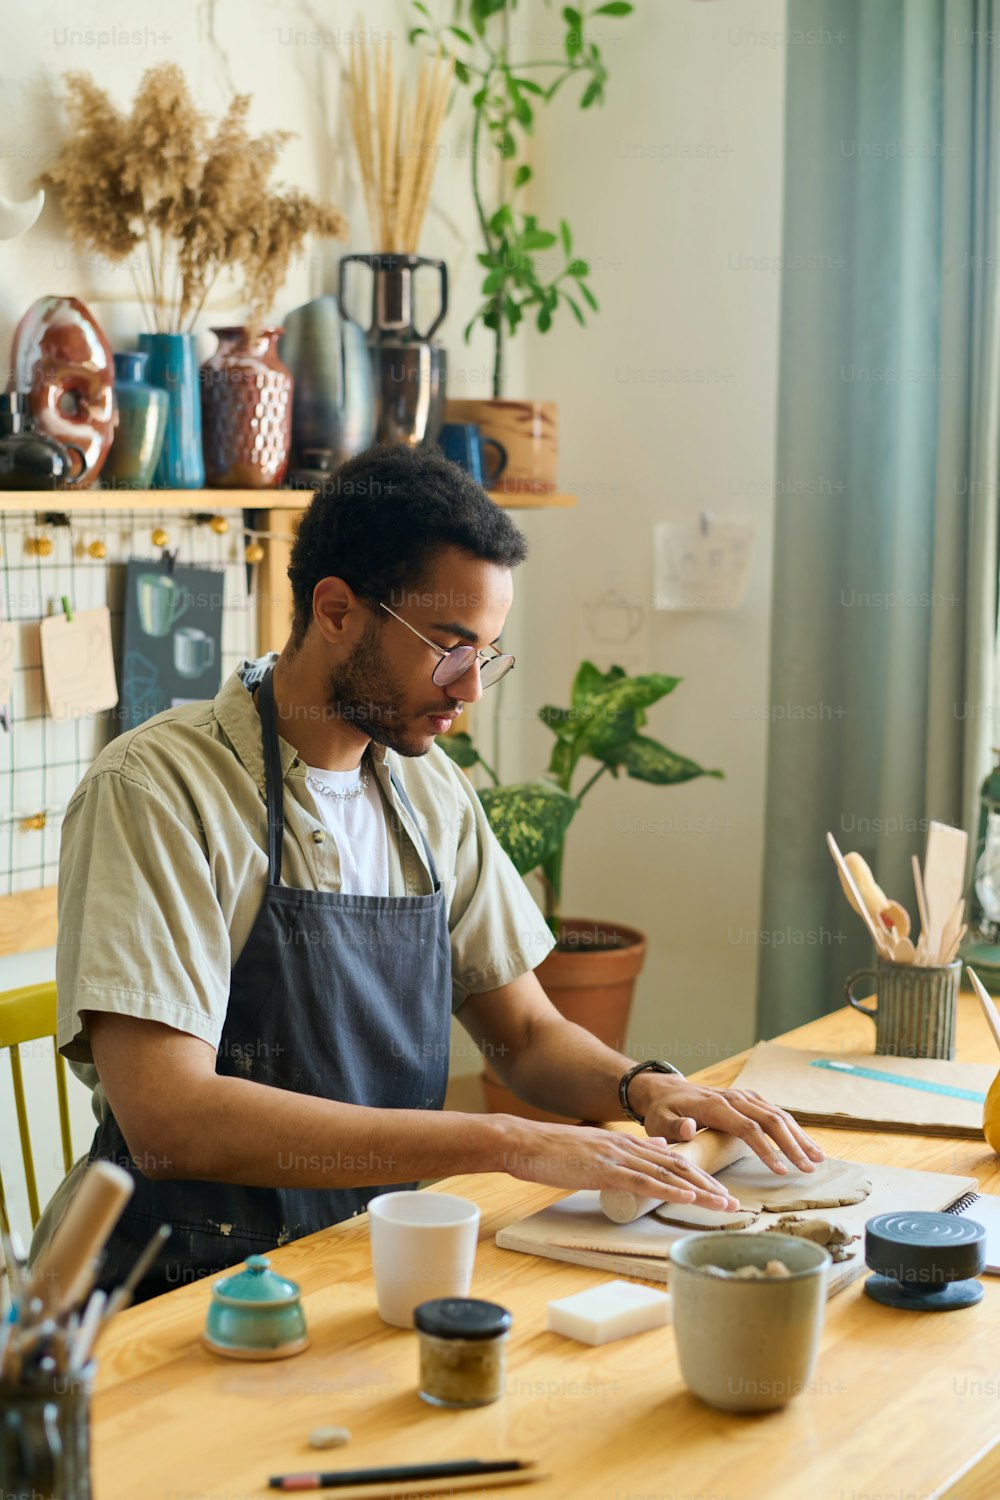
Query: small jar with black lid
{"type": "Point", "coordinates": [463, 1345]}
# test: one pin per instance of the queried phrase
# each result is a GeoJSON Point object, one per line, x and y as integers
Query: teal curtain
{"type": "Point", "coordinates": [885, 556]}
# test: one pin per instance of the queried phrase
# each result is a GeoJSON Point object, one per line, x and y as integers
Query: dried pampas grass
{"type": "Point", "coordinates": [396, 140]}
{"type": "Point", "coordinates": [178, 202]}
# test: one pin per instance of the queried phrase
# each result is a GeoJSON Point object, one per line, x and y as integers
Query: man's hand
{"type": "Point", "coordinates": [675, 1109]}
{"type": "Point", "coordinates": [574, 1156]}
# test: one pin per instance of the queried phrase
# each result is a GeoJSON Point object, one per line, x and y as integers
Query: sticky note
{"type": "Point", "coordinates": [614, 1310]}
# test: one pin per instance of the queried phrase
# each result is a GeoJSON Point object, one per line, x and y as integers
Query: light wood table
{"type": "Point", "coordinates": [904, 1406]}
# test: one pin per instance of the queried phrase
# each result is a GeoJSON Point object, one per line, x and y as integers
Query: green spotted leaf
{"type": "Point", "coordinates": [530, 820]}
{"type": "Point", "coordinates": [647, 760]}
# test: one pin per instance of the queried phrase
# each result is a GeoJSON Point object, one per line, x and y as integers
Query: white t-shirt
{"type": "Point", "coordinates": [358, 827]}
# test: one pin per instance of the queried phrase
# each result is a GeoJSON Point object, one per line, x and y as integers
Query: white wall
{"type": "Point", "coordinates": [292, 58]}
{"type": "Point", "coordinates": [666, 189]}
{"type": "Point", "coordinates": [667, 404]}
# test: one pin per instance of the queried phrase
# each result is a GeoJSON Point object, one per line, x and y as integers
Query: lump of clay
{"type": "Point", "coordinates": [833, 1237]}
{"type": "Point", "coordinates": [774, 1270]}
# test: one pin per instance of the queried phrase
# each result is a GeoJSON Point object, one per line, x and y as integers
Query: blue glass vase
{"type": "Point", "coordinates": [142, 424]}
{"type": "Point", "coordinates": [173, 366]}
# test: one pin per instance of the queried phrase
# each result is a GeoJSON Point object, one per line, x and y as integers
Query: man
{"type": "Point", "coordinates": [271, 904]}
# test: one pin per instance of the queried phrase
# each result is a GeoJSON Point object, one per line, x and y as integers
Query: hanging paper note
{"type": "Point", "coordinates": [77, 663]}
{"type": "Point", "coordinates": [702, 565]}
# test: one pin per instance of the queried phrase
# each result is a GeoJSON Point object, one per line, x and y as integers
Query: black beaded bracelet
{"type": "Point", "coordinates": [653, 1065]}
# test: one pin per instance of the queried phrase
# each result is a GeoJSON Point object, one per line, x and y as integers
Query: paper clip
{"type": "Point", "coordinates": [66, 609]}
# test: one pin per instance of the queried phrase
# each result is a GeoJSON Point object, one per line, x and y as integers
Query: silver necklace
{"type": "Point", "coordinates": [329, 791]}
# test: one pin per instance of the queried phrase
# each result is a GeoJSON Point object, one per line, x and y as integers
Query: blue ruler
{"type": "Point", "coordinates": [922, 1084]}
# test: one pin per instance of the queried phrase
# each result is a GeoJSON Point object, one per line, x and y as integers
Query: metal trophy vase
{"type": "Point", "coordinates": [409, 370]}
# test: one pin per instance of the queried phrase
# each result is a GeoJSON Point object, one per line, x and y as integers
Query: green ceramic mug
{"type": "Point", "coordinates": [747, 1345]}
{"type": "Point", "coordinates": [915, 1016]}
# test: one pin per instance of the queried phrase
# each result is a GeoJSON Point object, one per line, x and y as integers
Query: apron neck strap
{"type": "Point", "coordinates": [401, 794]}
{"type": "Point", "coordinates": [273, 778]}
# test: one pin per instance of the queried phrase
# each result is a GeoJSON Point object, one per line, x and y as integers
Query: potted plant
{"type": "Point", "coordinates": [506, 91]}
{"type": "Point", "coordinates": [590, 976]}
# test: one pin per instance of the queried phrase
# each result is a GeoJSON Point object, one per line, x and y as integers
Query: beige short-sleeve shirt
{"type": "Point", "coordinates": [163, 867]}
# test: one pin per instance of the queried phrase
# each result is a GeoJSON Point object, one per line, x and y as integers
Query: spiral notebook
{"type": "Point", "coordinates": [983, 1208]}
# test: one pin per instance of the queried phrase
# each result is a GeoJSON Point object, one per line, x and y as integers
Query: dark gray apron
{"type": "Point", "coordinates": [341, 997]}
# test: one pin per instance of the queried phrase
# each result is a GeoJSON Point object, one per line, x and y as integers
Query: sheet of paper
{"type": "Point", "coordinates": [986, 1211]}
{"type": "Point", "coordinates": [77, 663]}
{"type": "Point", "coordinates": [821, 1096]}
{"type": "Point", "coordinates": [701, 565]}
{"type": "Point", "coordinates": [8, 655]}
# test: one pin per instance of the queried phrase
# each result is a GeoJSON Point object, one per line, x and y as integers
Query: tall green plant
{"type": "Point", "coordinates": [602, 724]}
{"type": "Point", "coordinates": [506, 92]}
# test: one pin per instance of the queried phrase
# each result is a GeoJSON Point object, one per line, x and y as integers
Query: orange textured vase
{"type": "Point", "coordinates": [590, 979]}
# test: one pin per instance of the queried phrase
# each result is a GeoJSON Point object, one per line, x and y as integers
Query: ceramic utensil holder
{"type": "Point", "coordinates": [45, 1438]}
{"type": "Point", "coordinates": [915, 1016]}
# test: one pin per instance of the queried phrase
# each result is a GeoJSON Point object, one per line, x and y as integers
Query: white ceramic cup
{"type": "Point", "coordinates": [423, 1246]}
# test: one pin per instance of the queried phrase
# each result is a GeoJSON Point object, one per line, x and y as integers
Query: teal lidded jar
{"type": "Point", "coordinates": [256, 1314]}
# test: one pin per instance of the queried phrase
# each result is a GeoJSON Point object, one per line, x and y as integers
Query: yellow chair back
{"type": "Point", "coordinates": [27, 1015]}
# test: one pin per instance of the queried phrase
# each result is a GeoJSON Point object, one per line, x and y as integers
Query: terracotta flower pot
{"type": "Point", "coordinates": [590, 979]}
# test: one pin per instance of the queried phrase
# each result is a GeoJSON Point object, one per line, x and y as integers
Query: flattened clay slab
{"type": "Point", "coordinates": [687, 1217]}
{"type": "Point", "coordinates": [833, 1184]}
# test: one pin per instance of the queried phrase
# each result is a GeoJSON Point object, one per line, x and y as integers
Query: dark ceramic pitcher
{"type": "Point", "coordinates": [29, 459]}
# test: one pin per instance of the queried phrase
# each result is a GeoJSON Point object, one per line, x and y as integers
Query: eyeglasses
{"type": "Point", "coordinates": [456, 660]}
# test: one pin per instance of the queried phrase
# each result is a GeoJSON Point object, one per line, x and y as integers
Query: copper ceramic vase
{"type": "Point", "coordinates": [246, 409]}
{"type": "Point", "coordinates": [62, 359]}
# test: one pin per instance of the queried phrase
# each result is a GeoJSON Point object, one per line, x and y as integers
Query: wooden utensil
{"type": "Point", "coordinates": [986, 1001]}
{"type": "Point", "coordinates": [952, 953]}
{"type": "Point", "coordinates": [944, 878]}
{"type": "Point", "coordinates": [848, 881]}
{"type": "Point", "coordinates": [80, 1235]}
{"type": "Point", "coordinates": [951, 928]}
{"type": "Point", "coordinates": [918, 886]}
{"type": "Point", "coordinates": [889, 913]}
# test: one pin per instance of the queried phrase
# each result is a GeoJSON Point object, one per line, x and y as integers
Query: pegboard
{"type": "Point", "coordinates": [42, 761]}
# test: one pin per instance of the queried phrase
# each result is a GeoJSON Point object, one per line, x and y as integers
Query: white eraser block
{"type": "Point", "coordinates": [612, 1311]}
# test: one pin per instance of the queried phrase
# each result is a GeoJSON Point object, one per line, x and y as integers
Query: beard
{"type": "Point", "coordinates": [365, 692]}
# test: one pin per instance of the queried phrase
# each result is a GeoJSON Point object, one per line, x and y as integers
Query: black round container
{"type": "Point", "coordinates": [925, 1262]}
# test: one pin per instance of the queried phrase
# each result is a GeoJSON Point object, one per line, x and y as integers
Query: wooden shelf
{"type": "Point", "coordinates": [213, 500]}
{"type": "Point", "coordinates": [532, 502]}
{"type": "Point", "coordinates": [199, 500]}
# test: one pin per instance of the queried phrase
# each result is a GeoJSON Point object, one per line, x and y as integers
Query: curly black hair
{"type": "Point", "coordinates": [380, 519]}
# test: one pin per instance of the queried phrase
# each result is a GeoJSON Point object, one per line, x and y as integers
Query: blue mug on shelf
{"type": "Point", "coordinates": [465, 445]}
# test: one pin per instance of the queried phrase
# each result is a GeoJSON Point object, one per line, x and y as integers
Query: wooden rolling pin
{"type": "Point", "coordinates": [80, 1236]}
{"type": "Point", "coordinates": [710, 1150]}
